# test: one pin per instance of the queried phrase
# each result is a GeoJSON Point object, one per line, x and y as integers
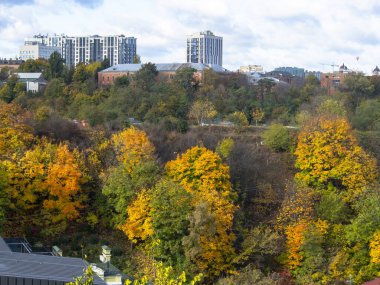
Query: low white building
{"type": "Point", "coordinates": [34, 81]}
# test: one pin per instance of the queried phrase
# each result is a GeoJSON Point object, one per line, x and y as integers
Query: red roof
{"type": "Point", "coordinates": [373, 282]}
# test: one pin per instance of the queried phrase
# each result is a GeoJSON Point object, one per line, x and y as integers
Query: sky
{"type": "Point", "coordinates": [304, 33]}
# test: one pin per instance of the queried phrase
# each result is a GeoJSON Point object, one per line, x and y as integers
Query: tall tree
{"type": "Point", "coordinates": [202, 173]}
{"type": "Point", "coordinates": [56, 66]}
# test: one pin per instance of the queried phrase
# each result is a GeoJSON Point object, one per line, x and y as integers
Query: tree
{"type": "Point", "coordinates": [328, 154]}
{"type": "Point", "coordinates": [202, 173]}
{"type": "Point", "coordinates": [86, 279]}
{"type": "Point", "coordinates": [367, 115]}
{"type": "Point", "coordinates": [44, 188]}
{"type": "Point", "coordinates": [122, 81]}
{"type": "Point", "coordinates": [184, 78]}
{"type": "Point", "coordinates": [138, 226]}
{"type": "Point", "coordinates": [258, 115]}
{"type": "Point", "coordinates": [238, 119]}
{"type": "Point", "coordinates": [359, 88]}
{"type": "Point", "coordinates": [277, 138]}
{"type": "Point", "coordinates": [56, 66]}
{"type": "Point", "coordinates": [146, 76]}
{"type": "Point", "coordinates": [132, 147]}
{"type": "Point", "coordinates": [171, 206]}
{"type": "Point", "coordinates": [332, 107]}
{"type": "Point", "coordinates": [165, 276]}
{"type": "Point", "coordinates": [10, 89]}
{"type": "Point", "coordinates": [224, 147]}
{"type": "Point", "coordinates": [202, 111]}
{"type": "Point", "coordinates": [122, 186]}
{"type": "Point", "coordinates": [34, 65]}
{"type": "Point", "coordinates": [136, 59]}
{"type": "Point", "coordinates": [15, 135]}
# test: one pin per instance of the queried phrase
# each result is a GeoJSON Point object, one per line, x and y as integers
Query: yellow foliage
{"type": "Point", "coordinates": [138, 225]}
{"type": "Point", "coordinates": [132, 146]}
{"type": "Point", "coordinates": [297, 205]}
{"type": "Point", "coordinates": [328, 152]}
{"type": "Point", "coordinates": [45, 183]}
{"type": "Point", "coordinates": [322, 226]}
{"type": "Point", "coordinates": [374, 246]}
{"type": "Point", "coordinates": [294, 239]}
{"type": "Point", "coordinates": [202, 173]}
{"type": "Point", "coordinates": [15, 135]}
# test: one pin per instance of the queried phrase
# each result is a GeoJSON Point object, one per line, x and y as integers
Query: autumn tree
{"type": "Point", "coordinates": [258, 115]}
{"type": "Point", "coordinates": [138, 226]}
{"type": "Point", "coordinates": [15, 135]}
{"type": "Point", "coordinates": [132, 147]}
{"type": "Point", "coordinates": [328, 154]}
{"type": "Point", "coordinates": [44, 189]}
{"type": "Point", "coordinates": [202, 111]}
{"type": "Point", "coordinates": [136, 170]}
{"type": "Point", "coordinates": [202, 173]}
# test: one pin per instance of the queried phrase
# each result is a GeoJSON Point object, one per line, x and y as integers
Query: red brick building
{"type": "Point", "coordinates": [166, 71]}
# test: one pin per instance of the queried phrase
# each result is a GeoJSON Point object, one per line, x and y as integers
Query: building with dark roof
{"type": "Point", "coordinates": [37, 269]}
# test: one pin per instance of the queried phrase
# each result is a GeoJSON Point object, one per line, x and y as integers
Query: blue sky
{"type": "Point", "coordinates": [302, 33]}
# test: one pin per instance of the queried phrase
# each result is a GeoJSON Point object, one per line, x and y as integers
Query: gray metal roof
{"type": "Point", "coordinates": [3, 246]}
{"type": "Point", "coordinates": [163, 67]}
{"type": "Point", "coordinates": [28, 265]}
{"type": "Point", "coordinates": [29, 75]}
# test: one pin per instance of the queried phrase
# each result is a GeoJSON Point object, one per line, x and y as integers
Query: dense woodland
{"type": "Point", "coordinates": [287, 193]}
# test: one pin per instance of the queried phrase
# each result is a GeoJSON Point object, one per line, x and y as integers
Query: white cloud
{"type": "Point", "coordinates": [272, 32]}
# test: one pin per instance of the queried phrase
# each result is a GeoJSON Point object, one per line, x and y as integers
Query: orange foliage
{"type": "Point", "coordinates": [294, 239]}
{"type": "Point", "coordinates": [45, 182]}
{"type": "Point", "coordinates": [62, 183]}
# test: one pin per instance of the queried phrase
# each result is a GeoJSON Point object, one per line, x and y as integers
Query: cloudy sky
{"type": "Point", "coordinates": [272, 33]}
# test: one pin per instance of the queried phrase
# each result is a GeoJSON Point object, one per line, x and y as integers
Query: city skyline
{"type": "Point", "coordinates": [270, 33]}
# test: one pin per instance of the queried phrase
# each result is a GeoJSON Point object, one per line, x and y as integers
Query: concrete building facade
{"type": "Point", "coordinates": [34, 49]}
{"type": "Point", "coordinates": [118, 49]}
{"type": "Point", "coordinates": [205, 47]}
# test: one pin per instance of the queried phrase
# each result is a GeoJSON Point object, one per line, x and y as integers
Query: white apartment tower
{"type": "Point", "coordinates": [205, 47]}
{"type": "Point", "coordinates": [118, 49]}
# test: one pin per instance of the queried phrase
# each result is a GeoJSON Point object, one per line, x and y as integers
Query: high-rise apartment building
{"type": "Point", "coordinates": [205, 47]}
{"type": "Point", "coordinates": [118, 49]}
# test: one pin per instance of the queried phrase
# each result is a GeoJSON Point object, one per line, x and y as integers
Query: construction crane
{"type": "Point", "coordinates": [332, 65]}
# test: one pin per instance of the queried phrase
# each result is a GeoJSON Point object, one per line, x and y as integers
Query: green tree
{"type": "Point", "coordinates": [145, 78]}
{"type": "Point", "coordinates": [121, 187]}
{"type": "Point", "coordinates": [122, 81]}
{"type": "Point", "coordinates": [171, 206]}
{"type": "Point", "coordinates": [238, 119]}
{"type": "Point", "coordinates": [56, 66]}
{"type": "Point", "coordinates": [367, 115]}
{"type": "Point", "coordinates": [184, 78]}
{"type": "Point", "coordinates": [277, 137]}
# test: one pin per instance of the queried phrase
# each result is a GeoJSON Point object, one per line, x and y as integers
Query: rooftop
{"type": "Point", "coordinates": [42, 267]}
{"type": "Point", "coordinates": [134, 67]}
